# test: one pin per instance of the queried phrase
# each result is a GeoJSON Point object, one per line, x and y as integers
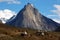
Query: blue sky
{"type": "Point", "coordinates": [48, 8]}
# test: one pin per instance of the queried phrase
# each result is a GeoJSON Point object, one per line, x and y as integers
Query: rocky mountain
{"type": "Point", "coordinates": [11, 18]}
{"type": "Point", "coordinates": [4, 20]}
{"type": "Point", "coordinates": [0, 21]}
{"type": "Point", "coordinates": [29, 17]}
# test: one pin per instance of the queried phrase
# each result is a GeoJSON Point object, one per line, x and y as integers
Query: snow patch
{"type": "Point", "coordinates": [32, 5]}
{"type": "Point", "coordinates": [6, 14]}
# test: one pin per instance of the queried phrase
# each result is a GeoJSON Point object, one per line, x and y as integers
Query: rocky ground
{"type": "Point", "coordinates": [12, 33]}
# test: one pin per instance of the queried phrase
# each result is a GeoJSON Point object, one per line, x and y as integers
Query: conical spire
{"type": "Point", "coordinates": [29, 5]}
{"type": "Point", "coordinates": [29, 17]}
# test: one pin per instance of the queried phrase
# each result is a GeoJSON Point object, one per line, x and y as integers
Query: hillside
{"type": "Point", "coordinates": [12, 33]}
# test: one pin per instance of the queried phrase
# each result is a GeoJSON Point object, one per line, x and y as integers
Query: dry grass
{"type": "Point", "coordinates": [12, 33]}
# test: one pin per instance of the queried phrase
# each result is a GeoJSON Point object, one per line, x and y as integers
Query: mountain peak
{"type": "Point", "coordinates": [29, 5]}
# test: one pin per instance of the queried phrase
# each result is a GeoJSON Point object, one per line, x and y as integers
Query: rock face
{"type": "Point", "coordinates": [0, 21]}
{"type": "Point", "coordinates": [29, 17]}
{"type": "Point", "coordinates": [11, 18]}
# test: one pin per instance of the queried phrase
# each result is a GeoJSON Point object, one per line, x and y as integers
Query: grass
{"type": "Point", "coordinates": [12, 33]}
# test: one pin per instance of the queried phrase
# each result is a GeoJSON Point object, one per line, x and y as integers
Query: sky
{"type": "Point", "coordinates": [48, 8]}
